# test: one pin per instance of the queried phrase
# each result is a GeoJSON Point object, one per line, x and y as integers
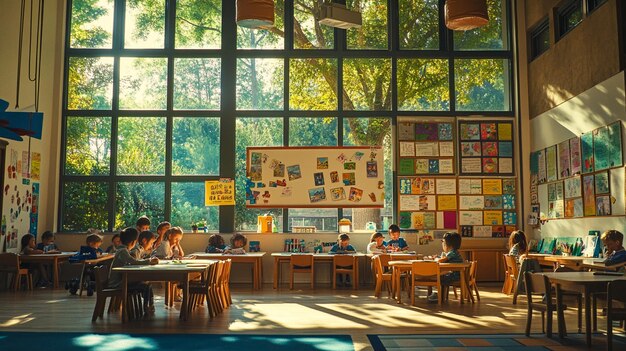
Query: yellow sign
{"type": "Point", "coordinates": [219, 192]}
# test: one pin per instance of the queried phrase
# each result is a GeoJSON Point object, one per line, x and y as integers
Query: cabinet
{"type": "Point", "coordinates": [490, 263]}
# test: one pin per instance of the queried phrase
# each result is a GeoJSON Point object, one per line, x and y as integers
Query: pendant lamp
{"type": "Point", "coordinates": [466, 14]}
{"type": "Point", "coordinates": [255, 13]}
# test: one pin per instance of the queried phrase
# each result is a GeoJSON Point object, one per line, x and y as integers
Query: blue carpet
{"type": "Point", "coordinates": [503, 342]}
{"type": "Point", "coordinates": [162, 342]}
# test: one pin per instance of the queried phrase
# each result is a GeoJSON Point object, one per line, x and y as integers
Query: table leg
{"type": "Point", "coordinates": [276, 268]}
{"type": "Point", "coordinates": [255, 273]}
{"type": "Point", "coordinates": [587, 315]}
{"type": "Point", "coordinates": [559, 311]}
{"type": "Point", "coordinates": [356, 273]}
{"type": "Point", "coordinates": [463, 286]}
{"type": "Point", "coordinates": [185, 302]}
{"type": "Point", "coordinates": [80, 284]}
{"type": "Point", "coordinates": [124, 297]}
{"type": "Point", "coordinates": [56, 272]}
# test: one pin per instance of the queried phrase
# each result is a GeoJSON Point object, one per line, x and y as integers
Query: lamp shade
{"type": "Point", "coordinates": [255, 13]}
{"type": "Point", "coordinates": [466, 14]}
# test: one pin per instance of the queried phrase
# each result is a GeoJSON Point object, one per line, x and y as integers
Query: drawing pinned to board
{"type": "Point", "coordinates": [505, 149]}
{"type": "Point", "coordinates": [510, 218]}
{"type": "Point", "coordinates": [406, 131]}
{"type": "Point", "coordinates": [564, 169]}
{"type": "Point", "coordinates": [574, 152]}
{"type": "Point", "coordinates": [574, 208]}
{"type": "Point", "coordinates": [357, 156]}
{"type": "Point", "coordinates": [470, 149]}
{"type": "Point", "coordinates": [317, 195]}
{"type": "Point", "coordinates": [286, 192]}
{"type": "Point", "coordinates": [542, 174]}
{"type": "Point", "coordinates": [470, 131]}
{"type": "Point", "coordinates": [355, 194]}
{"type": "Point", "coordinates": [551, 169]}
{"type": "Point", "coordinates": [337, 194]}
{"type": "Point", "coordinates": [334, 177]}
{"type": "Point", "coordinates": [602, 183]}
{"type": "Point", "coordinates": [279, 171]}
{"type": "Point", "coordinates": [493, 202]}
{"type": "Point", "coordinates": [322, 163]}
{"type": "Point", "coordinates": [433, 166]}
{"type": "Point", "coordinates": [405, 220]}
{"type": "Point", "coordinates": [341, 158]}
{"type": "Point", "coordinates": [421, 166]}
{"type": "Point", "coordinates": [603, 205]}
{"type": "Point", "coordinates": [490, 165]}
{"type": "Point", "coordinates": [372, 169]}
{"type": "Point", "coordinates": [488, 131]}
{"type": "Point", "coordinates": [255, 158]}
{"type": "Point", "coordinates": [348, 179]}
{"type": "Point", "coordinates": [294, 172]}
{"type": "Point", "coordinates": [572, 187]}
{"type": "Point", "coordinates": [508, 186]}
{"type": "Point", "coordinates": [601, 148]}
{"type": "Point", "coordinates": [490, 148]}
{"type": "Point", "coordinates": [508, 201]}
{"type": "Point", "coordinates": [589, 199]}
{"type": "Point", "coordinates": [256, 172]}
{"type": "Point", "coordinates": [426, 132]}
{"type": "Point", "coordinates": [318, 178]}
{"type": "Point", "coordinates": [349, 166]}
{"type": "Point", "coordinates": [616, 158]}
{"type": "Point", "coordinates": [445, 131]}
{"type": "Point", "coordinates": [586, 145]}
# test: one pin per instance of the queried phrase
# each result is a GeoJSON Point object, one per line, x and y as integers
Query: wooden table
{"type": "Point", "coordinates": [50, 258]}
{"type": "Point", "coordinates": [586, 283]}
{"type": "Point", "coordinates": [284, 257]}
{"type": "Point", "coordinates": [254, 258]}
{"type": "Point", "coordinates": [92, 262]}
{"type": "Point", "coordinates": [164, 271]}
{"type": "Point", "coordinates": [598, 264]}
{"type": "Point", "coordinates": [400, 266]}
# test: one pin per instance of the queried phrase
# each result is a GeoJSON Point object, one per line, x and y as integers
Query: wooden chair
{"type": "Point", "coordinates": [471, 284]}
{"type": "Point", "coordinates": [10, 264]}
{"type": "Point", "coordinates": [207, 289]}
{"type": "Point", "coordinates": [344, 264]}
{"type": "Point", "coordinates": [506, 287]}
{"type": "Point", "coordinates": [103, 292]}
{"type": "Point", "coordinates": [380, 276]}
{"type": "Point", "coordinates": [539, 285]}
{"type": "Point", "coordinates": [512, 272]}
{"type": "Point", "coordinates": [615, 291]}
{"type": "Point", "coordinates": [302, 264]}
{"type": "Point", "coordinates": [228, 300]}
{"type": "Point", "coordinates": [425, 274]}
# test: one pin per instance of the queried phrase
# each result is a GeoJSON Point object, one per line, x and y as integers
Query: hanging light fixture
{"type": "Point", "coordinates": [466, 14]}
{"type": "Point", "coordinates": [255, 13]}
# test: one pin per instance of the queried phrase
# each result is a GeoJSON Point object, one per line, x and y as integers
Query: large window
{"type": "Point", "coordinates": [539, 39]}
{"type": "Point", "coordinates": [163, 95]}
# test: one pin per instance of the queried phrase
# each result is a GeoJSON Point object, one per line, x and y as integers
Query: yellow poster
{"type": "Point", "coordinates": [504, 131]}
{"type": "Point", "coordinates": [417, 220]}
{"type": "Point", "coordinates": [35, 165]}
{"type": "Point", "coordinates": [219, 192]}
{"type": "Point", "coordinates": [446, 202]}
{"type": "Point", "coordinates": [492, 186]}
{"type": "Point", "coordinates": [493, 217]}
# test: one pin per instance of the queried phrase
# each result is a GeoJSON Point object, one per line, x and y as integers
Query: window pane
{"type": "Point", "coordinates": [197, 83]}
{"type": "Point", "coordinates": [254, 132]}
{"type": "Point", "coordinates": [493, 36]}
{"type": "Point", "coordinates": [313, 84]}
{"type": "Point", "coordinates": [145, 24]}
{"type": "Point", "coordinates": [323, 219]}
{"type": "Point", "coordinates": [90, 83]}
{"type": "Point", "coordinates": [373, 32]}
{"type": "Point", "coordinates": [85, 206]}
{"type": "Point", "coordinates": [367, 83]}
{"type": "Point", "coordinates": [138, 199]}
{"type": "Point", "coordinates": [92, 23]}
{"type": "Point", "coordinates": [196, 146]}
{"type": "Point", "coordinates": [271, 38]}
{"type": "Point", "coordinates": [312, 131]}
{"type": "Point", "coordinates": [188, 207]}
{"type": "Point", "coordinates": [371, 131]}
{"type": "Point", "coordinates": [260, 84]}
{"type": "Point", "coordinates": [198, 24]}
{"type": "Point", "coordinates": [88, 147]}
{"type": "Point", "coordinates": [143, 83]}
{"type": "Point", "coordinates": [482, 85]}
{"type": "Point", "coordinates": [419, 24]}
{"type": "Point", "coordinates": [307, 32]}
{"type": "Point", "coordinates": [423, 85]}
{"type": "Point", "coordinates": [141, 145]}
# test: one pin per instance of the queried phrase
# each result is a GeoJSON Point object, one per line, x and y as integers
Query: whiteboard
{"type": "Point", "coordinates": [315, 177]}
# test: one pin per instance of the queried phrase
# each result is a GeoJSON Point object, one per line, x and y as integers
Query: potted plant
{"type": "Point", "coordinates": [201, 225]}
{"type": "Point", "coordinates": [194, 228]}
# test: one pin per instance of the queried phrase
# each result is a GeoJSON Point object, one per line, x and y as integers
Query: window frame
{"type": "Point", "coordinates": [562, 14]}
{"type": "Point", "coordinates": [534, 34]}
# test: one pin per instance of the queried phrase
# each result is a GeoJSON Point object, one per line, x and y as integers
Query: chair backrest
{"type": "Point", "coordinates": [377, 265]}
{"type": "Point", "coordinates": [225, 277]}
{"type": "Point", "coordinates": [301, 261]}
{"type": "Point", "coordinates": [472, 270]}
{"type": "Point", "coordinates": [425, 269]}
{"type": "Point", "coordinates": [536, 284]}
{"type": "Point", "coordinates": [102, 276]}
{"type": "Point", "coordinates": [614, 290]}
{"type": "Point", "coordinates": [511, 265]}
{"type": "Point", "coordinates": [343, 260]}
{"type": "Point", "coordinates": [9, 261]}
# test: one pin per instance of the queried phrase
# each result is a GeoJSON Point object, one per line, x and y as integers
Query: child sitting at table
{"type": "Point", "coordinates": [377, 244]}
{"type": "Point", "coordinates": [613, 240]}
{"type": "Point", "coordinates": [170, 247]}
{"type": "Point", "coordinates": [237, 243]}
{"type": "Point", "coordinates": [122, 258]}
{"type": "Point", "coordinates": [47, 244]}
{"type": "Point", "coordinates": [142, 224]}
{"type": "Point", "coordinates": [143, 249]}
{"type": "Point", "coordinates": [451, 244]}
{"type": "Point", "coordinates": [518, 247]}
{"type": "Point", "coordinates": [396, 243]}
{"type": "Point", "coordinates": [115, 243]}
{"type": "Point", "coordinates": [216, 244]}
{"type": "Point", "coordinates": [30, 248]}
{"type": "Point", "coordinates": [343, 247]}
{"type": "Point", "coordinates": [162, 228]}
{"type": "Point", "coordinates": [87, 252]}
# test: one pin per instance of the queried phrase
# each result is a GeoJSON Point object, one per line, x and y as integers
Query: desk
{"type": "Point", "coordinates": [282, 257]}
{"type": "Point", "coordinates": [406, 266]}
{"type": "Point", "coordinates": [583, 282]}
{"type": "Point", "coordinates": [92, 262]}
{"type": "Point", "coordinates": [54, 259]}
{"type": "Point", "coordinates": [598, 264]}
{"type": "Point", "coordinates": [573, 262]}
{"type": "Point", "coordinates": [164, 271]}
{"type": "Point", "coordinates": [255, 258]}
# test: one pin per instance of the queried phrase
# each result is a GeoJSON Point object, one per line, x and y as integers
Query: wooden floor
{"type": "Point", "coordinates": [301, 311]}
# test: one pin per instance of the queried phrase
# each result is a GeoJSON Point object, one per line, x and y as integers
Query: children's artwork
{"type": "Point", "coordinates": [406, 131]}
{"type": "Point", "coordinates": [574, 152]}
{"type": "Point", "coordinates": [589, 195]}
{"type": "Point", "coordinates": [586, 150]}
{"type": "Point", "coordinates": [470, 149]}
{"type": "Point", "coordinates": [35, 165]}
{"type": "Point", "coordinates": [409, 203]}
{"type": "Point", "coordinates": [446, 186]}
{"type": "Point", "coordinates": [603, 205]}
{"type": "Point", "coordinates": [255, 158]}
{"type": "Point", "coordinates": [471, 165]}
{"type": "Point", "coordinates": [316, 194]}
{"type": "Point", "coordinates": [572, 187]}
{"type": "Point", "coordinates": [616, 158]}
{"type": "Point", "coordinates": [426, 131]}
{"type": "Point", "coordinates": [427, 185]}
{"type": "Point", "coordinates": [574, 208]}
{"type": "Point", "coordinates": [490, 165]}
{"type": "Point", "coordinates": [449, 220]}
{"type": "Point", "coordinates": [505, 149]}
{"type": "Point", "coordinates": [446, 202]}
{"type": "Point", "coordinates": [505, 165]}
{"type": "Point", "coordinates": [505, 131]}
{"type": "Point", "coordinates": [256, 172]}
{"type": "Point", "coordinates": [279, 170]}
{"type": "Point", "coordinates": [602, 183]}
{"type": "Point", "coordinates": [446, 166]}
{"type": "Point", "coordinates": [470, 186]}
{"type": "Point", "coordinates": [348, 179]}
{"type": "Point", "coordinates": [446, 149]}
{"type": "Point", "coordinates": [488, 131]}
{"type": "Point", "coordinates": [349, 166]}
{"type": "Point", "coordinates": [334, 177]}
{"type": "Point", "coordinates": [355, 194]}
{"type": "Point", "coordinates": [421, 166]}
{"type": "Point", "coordinates": [467, 231]}
{"type": "Point", "coordinates": [433, 166]}
{"type": "Point", "coordinates": [564, 160]}
{"type": "Point", "coordinates": [492, 186]}
{"type": "Point", "coordinates": [482, 231]}
{"type": "Point", "coordinates": [470, 218]}
{"type": "Point", "coordinates": [407, 149]}
{"type": "Point", "coordinates": [551, 192]}
{"type": "Point", "coordinates": [492, 218]}
{"type": "Point", "coordinates": [372, 169]}
{"type": "Point", "coordinates": [430, 221]}
{"type": "Point", "coordinates": [417, 220]}
{"type": "Point", "coordinates": [490, 148]}
{"type": "Point", "coordinates": [542, 175]}
{"type": "Point", "coordinates": [551, 168]}
{"type": "Point", "coordinates": [601, 148]}
{"type": "Point", "coordinates": [445, 131]}
{"type": "Point", "coordinates": [508, 186]}
{"type": "Point", "coordinates": [322, 163]}
{"type": "Point", "coordinates": [318, 178]}
{"type": "Point", "coordinates": [405, 186]}
{"type": "Point", "coordinates": [559, 190]}
{"type": "Point", "coordinates": [427, 149]}
{"type": "Point", "coordinates": [406, 166]}
{"type": "Point", "coordinates": [470, 131]}
{"type": "Point", "coordinates": [405, 220]}
{"type": "Point", "coordinates": [493, 202]}
{"type": "Point", "coordinates": [508, 201]}
{"type": "Point", "coordinates": [471, 202]}
{"type": "Point", "coordinates": [427, 203]}
{"type": "Point", "coordinates": [294, 172]}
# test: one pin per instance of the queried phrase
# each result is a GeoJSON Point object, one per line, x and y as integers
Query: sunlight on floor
{"type": "Point", "coordinates": [23, 319]}
{"type": "Point", "coordinates": [117, 342]}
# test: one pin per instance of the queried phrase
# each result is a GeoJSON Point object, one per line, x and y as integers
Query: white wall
{"type": "Point", "coordinates": [601, 105]}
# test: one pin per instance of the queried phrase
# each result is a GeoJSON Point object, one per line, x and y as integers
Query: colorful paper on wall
{"type": "Point", "coordinates": [492, 186]}
{"type": "Point", "coordinates": [446, 202]}
{"type": "Point", "coordinates": [35, 166]}
{"type": "Point", "coordinates": [493, 217]}
{"type": "Point", "coordinates": [616, 158]}
{"type": "Point", "coordinates": [564, 160]}
{"type": "Point", "coordinates": [34, 211]}
{"type": "Point", "coordinates": [586, 145]}
{"type": "Point", "coordinates": [574, 151]}
{"type": "Point", "coordinates": [551, 168]}
{"type": "Point", "coordinates": [601, 148]}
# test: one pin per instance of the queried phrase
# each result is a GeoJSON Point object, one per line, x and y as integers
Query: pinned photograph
{"type": "Point", "coordinates": [274, 163]}
{"type": "Point", "coordinates": [334, 177]}
{"type": "Point", "coordinates": [349, 166]}
{"type": "Point", "coordinates": [381, 184]}
{"type": "Point", "coordinates": [279, 171]}
{"type": "Point", "coordinates": [317, 195]}
{"type": "Point", "coordinates": [255, 158]}
{"type": "Point", "coordinates": [603, 205]}
{"type": "Point", "coordinates": [470, 131]}
{"type": "Point", "coordinates": [294, 172]}
{"type": "Point", "coordinates": [337, 194]}
{"type": "Point", "coordinates": [348, 179]}
{"type": "Point", "coordinates": [255, 172]}
{"type": "Point", "coordinates": [319, 178]}
{"type": "Point", "coordinates": [286, 191]}
{"type": "Point", "coordinates": [355, 194]}
{"type": "Point", "coordinates": [372, 197]}
{"type": "Point", "coordinates": [322, 163]}
{"type": "Point", "coordinates": [372, 169]}
{"type": "Point", "coordinates": [341, 158]}
{"type": "Point", "coordinates": [358, 155]}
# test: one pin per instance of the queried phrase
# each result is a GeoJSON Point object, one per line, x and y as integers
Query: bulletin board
{"type": "Point", "coordinates": [317, 177]}
{"type": "Point", "coordinates": [426, 147]}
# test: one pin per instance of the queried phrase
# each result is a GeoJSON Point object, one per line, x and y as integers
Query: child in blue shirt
{"type": "Point", "coordinates": [396, 243]}
{"type": "Point", "coordinates": [216, 244]}
{"type": "Point", "coordinates": [451, 244]}
{"type": "Point", "coordinates": [343, 247]}
{"type": "Point", "coordinates": [47, 244]}
{"type": "Point", "coordinates": [613, 240]}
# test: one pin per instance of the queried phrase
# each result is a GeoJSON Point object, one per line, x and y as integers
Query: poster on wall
{"type": "Point", "coordinates": [564, 160]}
{"type": "Point", "coordinates": [34, 212]}
{"type": "Point", "coordinates": [572, 187]}
{"type": "Point", "coordinates": [486, 147]}
{"type": "Point", "coordinates": [551, 169]}
{"type": "Point", "coordinates": [616, 158]}
{"type": "Point", "coordinates": [541, 166]}
{"type": "Point", "coordinates": [601, 148]}
{"type": "Point", "coordinates": [589, 198]}
{"type": "Point", "coordinates": [35, 166]}
{"type": "Point", "coordinates": [574, 151]}
{"type": "Point", "coordinates": [586, 152]}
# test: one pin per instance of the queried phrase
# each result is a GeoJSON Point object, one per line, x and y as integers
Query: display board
{"type": "Point", "coordinates": [486, 147]}
{"type": "Point", "coordinates": [299, 177]}
{"type": "Point", "coordinates": [426, 148]}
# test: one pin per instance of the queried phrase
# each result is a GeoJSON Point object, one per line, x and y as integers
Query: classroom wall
{"type": "Point", "coordinates": [601, 105]}
{"type": "Point", "coordinates": [49, 104]}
